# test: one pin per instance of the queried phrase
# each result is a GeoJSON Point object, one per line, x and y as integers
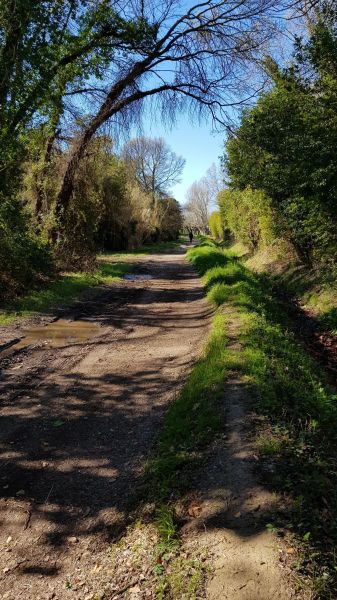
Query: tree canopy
{"type": "Point", "coordinates": [285, 145]}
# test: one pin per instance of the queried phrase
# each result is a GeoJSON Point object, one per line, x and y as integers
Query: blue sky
{"type": "Point", "coordinates": [195, 142]}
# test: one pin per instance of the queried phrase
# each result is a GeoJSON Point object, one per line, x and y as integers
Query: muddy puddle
{"type": "Point", "coordinates": [138, 277]}
{"type": "Point", "coordinates": [56, 334]}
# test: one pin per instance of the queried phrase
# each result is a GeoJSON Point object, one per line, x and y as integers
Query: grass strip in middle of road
{"type": "Point", "coordinates": [192, 418]}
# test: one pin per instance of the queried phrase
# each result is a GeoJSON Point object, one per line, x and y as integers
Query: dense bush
{"type": "Point", "coordinates": [108, 210]}
{"type": "Point", "coordinates": [248, 215]}
{"type": "Point", "coordinates": [286, 147]}
{"type": "Point", "coordinates": [24, 258]}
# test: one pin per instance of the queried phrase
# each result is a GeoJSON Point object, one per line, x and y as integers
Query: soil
{"type": "Point", "coordinates": [79, 420]}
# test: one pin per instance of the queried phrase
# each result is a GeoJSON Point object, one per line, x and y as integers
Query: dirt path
{"type": "Point", "coordinates": [78, 422]}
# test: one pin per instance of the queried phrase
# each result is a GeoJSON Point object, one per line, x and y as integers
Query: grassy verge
{"type": "Point", "coordinates": [316, 289]}
{"type": "Point", "coordinates": [64, 290]}
{"type": "Point", "coordinates": [69, 286]}
{"type": "Point", "coordinates": [298, 434]}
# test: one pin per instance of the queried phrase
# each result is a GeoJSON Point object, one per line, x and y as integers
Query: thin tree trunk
{"type": "Point", "coordinates": [111, 105]}
{"type": "Point", "coordinates": [39, 185]}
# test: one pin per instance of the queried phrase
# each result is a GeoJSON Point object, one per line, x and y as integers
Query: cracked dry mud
{"type": "Point", "coordinates": [78, 422]}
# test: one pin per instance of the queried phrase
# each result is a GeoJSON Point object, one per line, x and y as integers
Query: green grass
{"type": "Point", "coordinates": [292, 394]}
{"type": "Point", "coordinates": [146, 249]}
{"type": "Point", "coordinates": [193, 417]}
{"type": "Point", "coordinates": [68, 287]}
{"type": "Point", "coordinates": [62, 291]}
{"type": "Point", "coordinates": [269, 444]}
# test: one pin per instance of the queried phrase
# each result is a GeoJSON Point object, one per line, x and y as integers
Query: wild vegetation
{"type": "Point", "coordinates": [283, 153]}
{"type": "Point", "coordinates": [79, 181]}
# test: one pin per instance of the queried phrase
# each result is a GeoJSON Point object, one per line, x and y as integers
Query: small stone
{"type": "Point", "coordinates": [9, 539]}
{"type": "Point", "coordinates": [72, 539]}
{"type": "Point", "coordinates": [134, 590]}
{"type": "Point", "coordinates": [5, 570]}
{"type": "Point", "coordinates": [20, 493]}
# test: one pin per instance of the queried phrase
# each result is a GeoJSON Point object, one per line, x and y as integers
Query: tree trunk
{"type": "Point", "coordinates": [111, 105]}
{"type": "Point", "coordinates": [68, 182]}
{"type": "Point", "coordinates": [42, 175]}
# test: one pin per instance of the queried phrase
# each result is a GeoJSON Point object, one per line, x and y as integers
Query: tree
{"type": "Point", "coordinates": [192, 59]}
{"type": "Point", "coordinates": [154, 165]}
{"type": "Point", "coordinates": [197, 207]}
{"type": "Point", "coordinates": [248, 215]}
{"type": "Point", "coordinates": [49, 50]}
{"type": "Point", "coordinates": [285, 145]}
{"type": "Point", "coordinates": [170, 218]}
{"type": "Point", "coordinates": [216, 224]}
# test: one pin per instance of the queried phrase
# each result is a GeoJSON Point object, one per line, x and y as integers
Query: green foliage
{"type": "Point", "coordinates": [249, 216]}
{"type": "Point", "coordinates": [285, 146]}
{"type": "Point", "coordinates": [49, 48]}
{"type": "Point", "coordinates": [108, 209]}
{"type": "Point", "coordinates": [166, 526]}
{"type": "Point", "coordinates": [25, 259]}
{"type": "Point", "coordinates": [216, 225]}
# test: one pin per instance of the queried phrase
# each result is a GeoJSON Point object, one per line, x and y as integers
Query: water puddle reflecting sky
{"type": "Point", "coordinates": [138, 277]}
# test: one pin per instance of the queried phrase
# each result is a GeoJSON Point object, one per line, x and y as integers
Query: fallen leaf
{"type": "Point", "coordinates": [194, 510]}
